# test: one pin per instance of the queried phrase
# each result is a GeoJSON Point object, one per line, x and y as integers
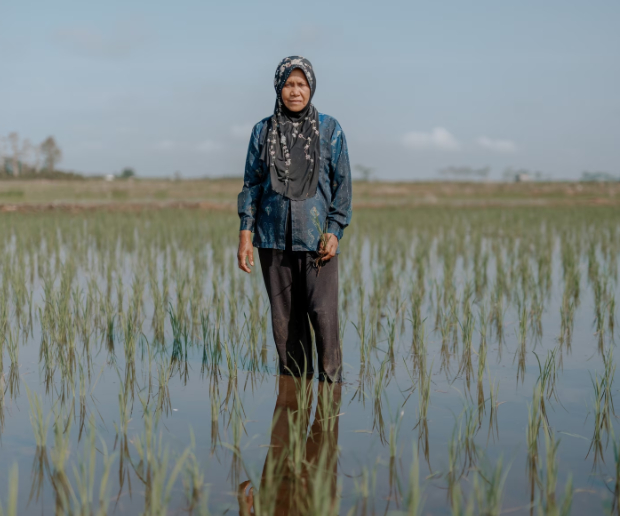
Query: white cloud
{"type": "Point", "coordinates": [242, 131]}
{"type": "Point", "coordinates": [497, 145]}
{"type": "Point", "coordinates": [439, 138]}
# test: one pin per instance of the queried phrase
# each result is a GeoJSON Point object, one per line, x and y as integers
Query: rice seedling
{"type": "Point", "coordinates": [453, 474]}
{"type": "Point", "coordinates": [415, 496]}
{"type": "Point", "coordinates": [380, 380]}
{"type": "Point", "coordinates": [600, 302]}
{"type": "Point", "coordinates": [547, 380]}
{"type": "Point", "coordinates": [152, 468]}
{"type": "Point", "coordinates": [458, 506]}
{"type": "Point", "coordinates": [63, 491]}
{"type": "Point", "coordinates": [603, 406]}
{"type": "Point", "coordinates": [567, 315]}
{"type": "Point", "coordinates": [532, 430]}
{"type": "Point", "coordinates": [466, 365]}
{"type": "Point", "coordinates": [424, 393]}
{"type": "Point", "coordinates": [462, 449]}
{"type": "Point", "coordinates": [537, 308]}
{"type": "Point", "coordinates": [488, 486]}
{"type": "Point", "coordinates": [328, 405]}
{"type": "Point", "coordinates": [11, 506]}
{"type": "Point", "coordinates": [364, 486]}
{"type": "Point", "coordinates": [193, 479]}
{"type": "Point", "coordinates": [423, 404]}
{"type": "Point", "coordinates": [84, 475]}
{"type": "Point", "coordinates": [522, 336]}
{"type": "Point", "coordinates": [12, 344]}
{"type": "Point", "coordinates": [494, 404]}
{"type": "Point", "coordinates": [497, 308]}
{"type": "Point", "coordinates": [549, 504]}
{"type": "Point", "coordinates": [324, 493]}
{"type": "Point", "coordinates": [391, 339]}
{"type": "Point", "coordinates": [611, 313]}
{"type": "Point", "coordinates": [237, 422]}
{"type": "Point", "coordinates": [615, 500]}
{"type": "Point", "coordinates": [318, 261]}
{"type": "Point", "coordinates": [272, 482]}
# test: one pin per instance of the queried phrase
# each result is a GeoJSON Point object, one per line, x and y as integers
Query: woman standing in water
{"type": "Point", "coordinates": [297, 185]}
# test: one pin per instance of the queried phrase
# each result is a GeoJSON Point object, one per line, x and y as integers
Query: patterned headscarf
{"type": "Point", "coordinates": [292, 150]}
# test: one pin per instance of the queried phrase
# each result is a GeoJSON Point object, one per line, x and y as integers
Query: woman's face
{"type": "Point", "coordinates": [296, 91]}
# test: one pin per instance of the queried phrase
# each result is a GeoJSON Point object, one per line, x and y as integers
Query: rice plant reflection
{"type": "Point", "coordinates": [300, 471]}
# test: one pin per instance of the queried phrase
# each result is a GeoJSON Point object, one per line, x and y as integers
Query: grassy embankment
{"type": "Point", "coordinates": [222, 193]}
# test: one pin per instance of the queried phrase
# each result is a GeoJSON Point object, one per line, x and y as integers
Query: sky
{"type": "Point", "coordinates": [167, 87]}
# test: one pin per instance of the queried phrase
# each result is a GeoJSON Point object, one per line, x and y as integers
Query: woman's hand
{"type": "Point", "coordinates": [328, 250]}
{"type": "Point", "coordinates": [246, 250]}
{"type": "Point", "coordinates": [246, 500]}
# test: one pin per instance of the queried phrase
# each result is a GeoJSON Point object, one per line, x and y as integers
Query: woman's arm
{"type": "Point", "coordinates": [249, 199]}
{"type": "Point", "coordinates": [339, 213]}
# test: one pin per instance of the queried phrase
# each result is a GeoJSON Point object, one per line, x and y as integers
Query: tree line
{"type": "Point", "coordinates": [22, 158]}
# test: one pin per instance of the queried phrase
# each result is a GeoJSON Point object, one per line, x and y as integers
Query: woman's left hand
{"type": "Point", "coordinates": [329, 250]}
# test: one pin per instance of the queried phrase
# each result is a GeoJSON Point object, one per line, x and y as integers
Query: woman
{"type": "Point", "coordinates": [297, 185]}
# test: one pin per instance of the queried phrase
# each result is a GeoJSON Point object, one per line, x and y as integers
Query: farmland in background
{"type": "Point", "coordinates": [222, 193]}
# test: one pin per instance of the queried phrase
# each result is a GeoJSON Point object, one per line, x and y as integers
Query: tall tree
{"type": "Point", "coordinates": [25, 156]}
{"type": "Point", "coordinates": [13, 140]}
{"type": "Point", "coordinates": [3, 154]}
{"type": "Point", "coordinates": [51, 154]}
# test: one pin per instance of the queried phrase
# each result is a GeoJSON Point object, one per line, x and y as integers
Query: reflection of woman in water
{"type": "Point", "coordinates": [294, 478]}
{"type": "Point", "coordinates": [297, 185]}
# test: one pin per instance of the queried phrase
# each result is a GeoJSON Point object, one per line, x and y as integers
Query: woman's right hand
{"type": "Point", "coordinates": [246, 250]}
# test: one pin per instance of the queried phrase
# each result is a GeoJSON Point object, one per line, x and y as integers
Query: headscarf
{"type": "Point", "coordinates": [291, 150]}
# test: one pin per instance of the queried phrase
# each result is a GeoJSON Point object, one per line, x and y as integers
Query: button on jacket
{"type": "Point", "coordinates": [264, 211]}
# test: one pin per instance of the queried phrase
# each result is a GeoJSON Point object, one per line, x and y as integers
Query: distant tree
{"type": "Point", "coordinates": [35, 151]}
{"type": "Point", "coordinates": [466, 172]}
{"type": "Point", "coordinates": [13, 140]}
{"type": "Point", "coordinates": [3, 154]}
{"type": "Point", "coordinates": [598, 176]}
{"type": "Point", "coordinates": [52, 155]}
{"type": "Point", "coordinates": [128, 172]}
{"type": "Point", "coordinates": [364, 171]}
{"type": "Point", "coordinates": [26, 154]}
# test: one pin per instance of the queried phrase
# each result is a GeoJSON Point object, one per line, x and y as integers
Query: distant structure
{"type": "Point", "coordinates": [522, 177]}
{"type": "Point", "coordinates": [109, 177]}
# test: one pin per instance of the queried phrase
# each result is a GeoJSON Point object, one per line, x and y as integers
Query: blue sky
{"type": "Point", "coordinates": [416, 86]}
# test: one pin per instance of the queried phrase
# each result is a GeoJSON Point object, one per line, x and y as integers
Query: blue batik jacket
{"type": "Point", "coordinates": [264, 211]}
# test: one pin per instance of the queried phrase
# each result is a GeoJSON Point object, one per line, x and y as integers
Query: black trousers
{"type": "Point", "coordinates": [297, 292]}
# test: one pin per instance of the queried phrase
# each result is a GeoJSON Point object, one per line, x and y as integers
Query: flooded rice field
{"type": "Point", "coordinates": [139, 371]}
